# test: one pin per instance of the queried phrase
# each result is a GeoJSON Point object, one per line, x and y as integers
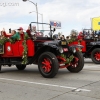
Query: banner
{"type": "Point", "coordinates": [96, 23]}
{"type": "Point", "coordinates": [55, 24]}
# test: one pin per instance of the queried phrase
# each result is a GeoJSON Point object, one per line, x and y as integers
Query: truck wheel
{"type": "Point", "coordinates": [0, 68]}
{"type": "Point", "coordinates": [48, 65]}
{"type": "Point", "coordinates": [77, 63]}
{"type": "Point", "coordinates": [95, 56]}
{"type": "Point", "coordinates": [21, 67]}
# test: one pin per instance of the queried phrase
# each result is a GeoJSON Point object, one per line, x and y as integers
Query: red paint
{"type": "Point", "coordinates": [17, 49]}
{"type": "Point", "coordinates": [8, 49]}
{"type": "Point", "coordinates": [31, 47]}
{"type": "Point", "coordinates": [46, 65]}
{"type": "Point", "coordinates": [83, 43]}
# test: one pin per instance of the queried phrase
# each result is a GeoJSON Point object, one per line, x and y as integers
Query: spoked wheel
{"type": "Point", "coordinates": [21, 67]}
{"type": "Point", "coordinates": [77, 64]}
{"type": "Point", "coordinates": [0, 68]}
{"type": "Point", "coordinates": [48, 65]}
{"type": "Point", "coordinates": [95, 56]}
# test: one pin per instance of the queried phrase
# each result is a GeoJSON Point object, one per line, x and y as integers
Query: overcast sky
{"type": "Point", "coordinates": [73, 14]}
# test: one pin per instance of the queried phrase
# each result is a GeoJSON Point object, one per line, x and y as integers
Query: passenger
{"type": "Point", "coordinates": [2, 35]}
{"type": "Point", "coordinates": [19, 35]}
{"type": "Point", "coordinates": [28, 31]}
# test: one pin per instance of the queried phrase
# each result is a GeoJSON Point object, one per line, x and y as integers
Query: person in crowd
{"type": "Point", "coordinates": [63, 37]}
{"type": "Point", "coordinates": [81, 36]}
{"type": "Point", "coordinates": [67, 38]}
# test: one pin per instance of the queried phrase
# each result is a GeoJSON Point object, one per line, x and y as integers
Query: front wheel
{"type": "Point", "coordinates": [48, 65]}
{"type": "Point", "coordinates": [0, 68]}
{"type": "Point", "coordinates": [95, 56]}
{"type": "Point", "coordinates": [77, 64]}
{"type": "Point", "coordinates": [21, 67]}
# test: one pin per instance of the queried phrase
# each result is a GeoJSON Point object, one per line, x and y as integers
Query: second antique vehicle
{"type": "Point", "coordinates": [91, 45]}
{"type": "Point", "coordinates": [48, 53]}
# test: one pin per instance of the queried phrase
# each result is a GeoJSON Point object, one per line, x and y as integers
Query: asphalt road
{"type": "Point", "coordinates": [30, 85]}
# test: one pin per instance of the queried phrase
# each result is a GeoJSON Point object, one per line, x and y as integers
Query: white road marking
{"type": "Point", "coordinates": [43, 84]}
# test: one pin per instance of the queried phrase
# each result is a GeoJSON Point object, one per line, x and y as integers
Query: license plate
{"type": "Point", "coordinates": [65, 49]}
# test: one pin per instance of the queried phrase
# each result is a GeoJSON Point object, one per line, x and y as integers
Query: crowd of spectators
{"type": "Point", "coordinates": [85, 34]}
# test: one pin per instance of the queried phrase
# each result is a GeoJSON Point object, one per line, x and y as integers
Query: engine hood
{"type": "Point", "coordinates": [95, 43]}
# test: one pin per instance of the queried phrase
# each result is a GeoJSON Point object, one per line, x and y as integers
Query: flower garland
{"type": "Point", "coordinates": [24, 57]}
{"type": "Point", "coordinates": [68, 60]}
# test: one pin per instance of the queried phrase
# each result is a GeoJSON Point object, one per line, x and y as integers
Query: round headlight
{"type": "Point", "coordinates": [61, 50]}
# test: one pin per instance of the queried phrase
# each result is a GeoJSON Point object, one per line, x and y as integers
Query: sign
{"type": "Point", "coordinates": [1, 49]}
{"type": "Point", "coordinates": [55, 24]}
{"type": "Point", "coordinates": [96, 23]}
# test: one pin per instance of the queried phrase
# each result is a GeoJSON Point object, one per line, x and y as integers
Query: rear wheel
{"type": "Point", "coordinates": [95, 56]}
{"type": "Point", "coordinates": [20, 67]}
{"type": "Point", "coordinates": [0, 68]}
{"type": "Point", "coordinates": [48, 65]}
{"type": "Point", "coordinates": [77, 63]}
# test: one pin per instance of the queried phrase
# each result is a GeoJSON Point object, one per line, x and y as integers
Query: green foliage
{"type": "Point", "coordinates": [71, 40]}
{"type": "Point", "coordinates": [68, 60]}
{"type": "Point", "coordinates": [4, 40]}
{"type": "Point", "coordinates": [24, 57]}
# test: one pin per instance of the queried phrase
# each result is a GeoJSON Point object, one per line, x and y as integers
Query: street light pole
{"type": "Point", "coordinates": [37, 16]}
{"type": "Point", "coordinates": [41, 17]}
{"type": "Point", "coordinates": [36, 11]}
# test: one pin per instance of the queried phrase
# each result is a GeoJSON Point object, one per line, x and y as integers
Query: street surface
{"type": "Point", "coordinates": [30, 85]}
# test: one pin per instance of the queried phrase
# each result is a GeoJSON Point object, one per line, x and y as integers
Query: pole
{"type": "Point", "coordinates": [41, 18]}
{"type": "Point", "coordinates": [42, 22]}
{"type": "Point", "coordinates": [37, 17]}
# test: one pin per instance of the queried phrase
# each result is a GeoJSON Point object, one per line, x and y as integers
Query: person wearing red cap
{"type": "Point", "coordinates": [80, 36]}
{"type": "Point", "coordinates": [19, 35]}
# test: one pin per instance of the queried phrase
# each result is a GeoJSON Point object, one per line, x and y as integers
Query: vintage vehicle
{"type": "Point", "coordinates": [91, 46]}
{"type": "Point", "coordinates": [48, 53]}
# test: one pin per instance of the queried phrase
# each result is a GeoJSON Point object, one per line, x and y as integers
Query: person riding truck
{"type": "Point", "coordinates": [19, 35]}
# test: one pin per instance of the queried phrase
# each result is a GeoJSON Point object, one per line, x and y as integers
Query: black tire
{"type": "Point", "coordinates": [97, 50]}
{"type": "Point", "coordinates": [0, 68]}
{"type": "Point", "coordinates": [53, 63]}
{"type": "Point", "coordinates": [80, 63]}
{"type": "Point", "coordinates": [20, 67]}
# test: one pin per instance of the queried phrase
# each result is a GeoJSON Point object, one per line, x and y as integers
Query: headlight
{"type": "Point", "coordinates": [73, 50]}
{"type": "Point", "coordinates": [60, 49]}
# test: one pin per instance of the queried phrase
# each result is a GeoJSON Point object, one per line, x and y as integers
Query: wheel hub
{"type": "Point", "coordinates": [97, 56]}
{"type": "Point", "coordinates": [46, 65]}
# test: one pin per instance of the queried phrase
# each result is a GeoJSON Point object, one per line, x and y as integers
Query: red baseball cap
{"type": "Point", "coordinates": [20, 28]}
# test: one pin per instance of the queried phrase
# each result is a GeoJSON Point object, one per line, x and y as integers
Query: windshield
{"type": "Point", "coordinates": [41, 29]}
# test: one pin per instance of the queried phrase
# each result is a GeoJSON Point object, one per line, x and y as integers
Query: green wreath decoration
{"type": "Point", "coordinates": [68, 60]}
{"type": "Point", "coordinates": [24, 57]}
